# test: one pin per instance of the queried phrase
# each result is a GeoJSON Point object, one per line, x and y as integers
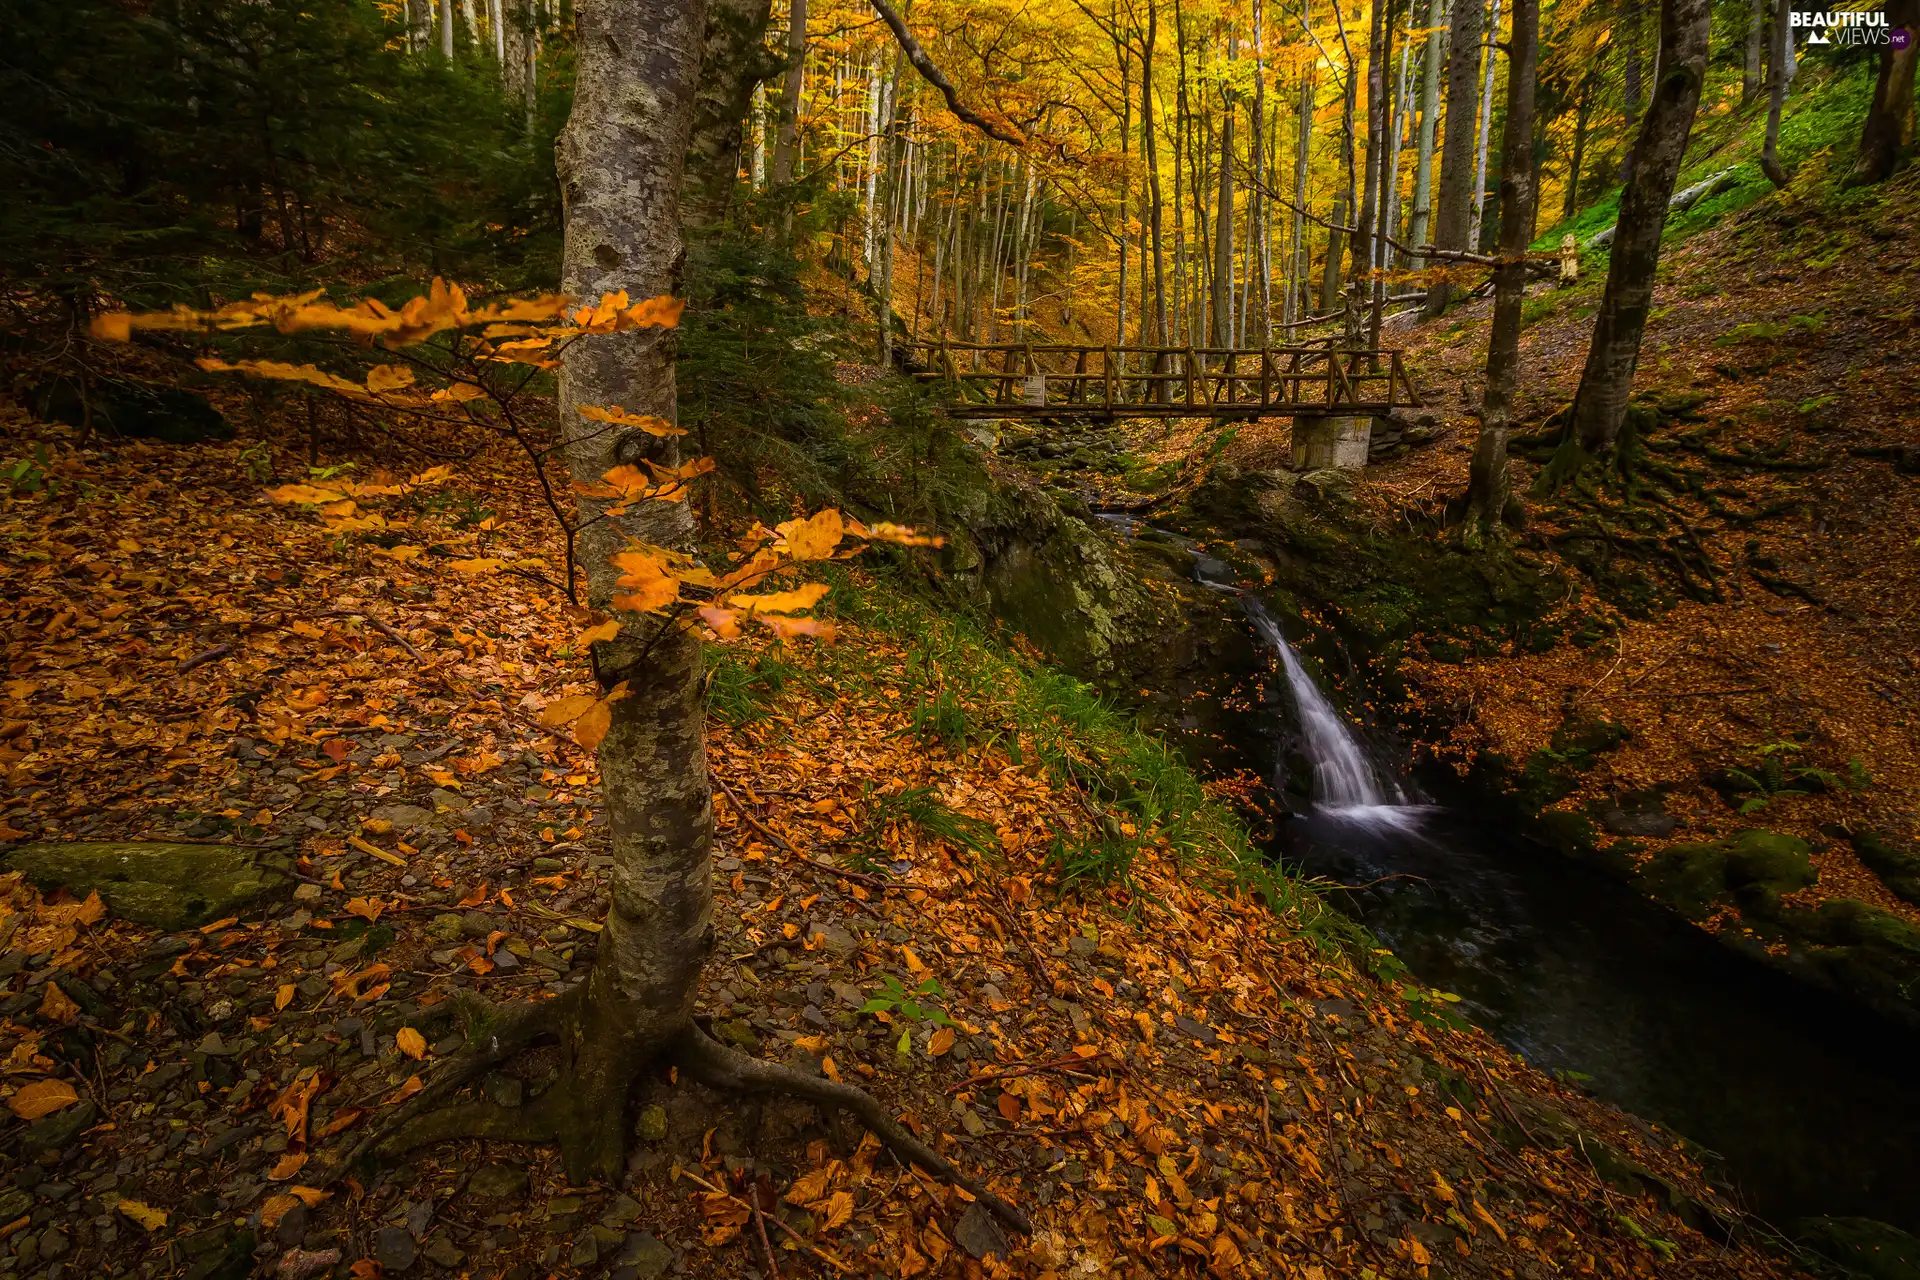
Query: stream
{"type": "Point", "coordinates": [1807, 1099]}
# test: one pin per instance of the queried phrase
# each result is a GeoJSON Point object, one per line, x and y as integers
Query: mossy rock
{"type": "Point", "coordinates": [1897, 869]}
{"type": "Point", "coordinates": [173, 886]}
{"type": "Point", "coordinates": [1863, 1246]}
{"type": "Point", "coordinates": [1690, 878]}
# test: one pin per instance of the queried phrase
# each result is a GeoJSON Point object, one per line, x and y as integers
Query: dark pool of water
{"type": "Point", "coordinates": [1810, 1101]}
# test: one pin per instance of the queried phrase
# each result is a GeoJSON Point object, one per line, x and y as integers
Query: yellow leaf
{"type": "Point", "coordinates": [402, 553]}
{"type": "Point", "coordinates": [388, 377]}
{"type": "Point", "coordinates": [306, 493]}
{"type": "Point", "coordinates": [367, 909]}
{"type": "Point", "coordinates": [413, 1085]}
{"type": "Point", "coordinates": [276, 1208]}
{"type": "Point", "coordinates": [613, 413]}
{"type": "Point", "coordinates": [112, 326]}
{"type": "Point", "coordinates": [566, 710]}
{"type": "Point", "coordinates": [146, 1215]}
{"type": "Point", "coordinates": [309, 1196]}
{"type": "Point", "coordinates": [941, 1042]}
{"type": "Point", "coordinates": [815, 537]}
{"type": "Point", "coordinates": [376, 851]}
{"type": "Point", "coordinates": [1441, 1188]}
{"type": "Point", "coordinates": [287, 1166]}
{"type": "Point", "coordinates": [58, 1005]}
{"type": "Point", "coordinates": [1419, 1252]}
{"type": "Point", "coordinates": [411, 1042]}
{"type": "Point", "coordinates": [812, 1187]}
{"type": "Point", "coordinates": [725, 623]}
{"type": "Point", "coordinates": [594, 635]}
{"type": "Point", "coordinates": [42, 1097]}
{"type": "Point", "coordinates": [591, 727]}
{"type": "Point", "coordinates": [839, 1210]}
{"type": "Point", "coordinates": [795, 601]}
{"type": "Point", "coordinates": [474, 568]}
{"type": "Point", "coordinates": [284, 996]}
{"type": "Point", "coordinates": [645, 575]}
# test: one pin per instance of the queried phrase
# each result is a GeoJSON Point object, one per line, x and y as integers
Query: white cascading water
{"type": "Point", "coordinates": [1344, 781]}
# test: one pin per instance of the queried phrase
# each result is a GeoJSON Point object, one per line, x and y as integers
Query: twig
{"type": "Point", "coordinates": [798, 1239]}
{"type": "Point", "coordinates": [379, 626]}
{"type": "Point", "coordinates": [760, 1229]}
{"type": "Point", "coordinates": [937, 78]}
{"type": "Point", "coordinates": [214, 654]}
{"type": "Point", "coordinates": [1039, 964]}
{"type": "Point", "coordinates": [858, 877]}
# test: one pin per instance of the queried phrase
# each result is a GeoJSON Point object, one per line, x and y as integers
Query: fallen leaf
{"type": "Point", "coordinates": [411, 1042]}
{"type": "Point", "coordinates": [286, 1166]}
{"type": "Point", "coordinates": [941, 1042]}
{"type": "Point", "coordinates": [146, 1215]}
{"type": "Point", "coordinates": [413, 1085]}
{"type": "Point", "coordinates": [42, 1097]}
{"type": "Point", "coordinates": [284, 996]}
{"type": "Point", "coordinates": [57, 1005]}
{"type": "Point", "coordinates": [839, 1210]}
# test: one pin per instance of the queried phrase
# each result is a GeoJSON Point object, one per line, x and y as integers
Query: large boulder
{"type": "Point", "coordinates": [1863, 1246]}
{"type": "Point", "coordinates": [173, 886]}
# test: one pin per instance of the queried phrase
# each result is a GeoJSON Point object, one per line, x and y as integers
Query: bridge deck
{"type": "Point", "coordinates": [1036, 380]}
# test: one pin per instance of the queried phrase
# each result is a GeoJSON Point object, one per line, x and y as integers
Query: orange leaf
{"type": "Point", "coordinates": [794, 601]}
{"type": "Point", "coordinates": [288, 1165]}
{"type": "Point", "coordinates": [815, 537]}
{"type": "Point", "coordinates": [839, 1210]}
{"type": "Point", "coordinates": [591, 727]}
{"type": "Point", "coordinates": [1009, 1108]}
{"type": "Point", "coordinates": [57, 1005]}
{"type": "Point", "coordinates": [284, 996]}
{"type": "Point", "coordinates": [475, 898]}
{"type": "Point", "coordinates": [345, 1119]}
{"type": "Point", "coordinates": [367, 909]}
{"type": "Point", "coordinates": [42, 1097]}
{"type": "Point", "coordinates": [405, 1091]}
{"type": "Point", "coordinates": [594, 635]}
{"type": "Point", "coordinates": [941, 1042]}
{"type": "Point", "coordinates": [567, 710]}
{"type": "Point", "coordinates": [613, 413]}
{"type": "Point", "coordinates": [411, 1042]}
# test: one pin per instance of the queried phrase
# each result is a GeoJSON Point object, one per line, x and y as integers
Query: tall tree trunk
{"type": "Point", "coordinates": [1888, 132]}
{"type": "Point", "coordinates": [1485, 135]}
{"type": "Point", "coordinates": [1150, 149]}
{"type": "Point", "coordinates": [880, 270]}
{"type": "Point", "coordinates": [446, 29]}
{"type": "Point", "coordinates": [1365, 242]}
{"type": "Point", "coordinates": [1571, 203]}
{"type": "Point", "coordinates": [619, 161]}
{"type": "Point", "coordinates": [1777, 93]}
{"type": "Point", "coordinates": [1488, 484]}
{"type": "Point", "coordinates": [1223, 231]}
{"type": "Point", "coordinates": [1257, 246]}
{"type": "Point", "coordinates": [1330, 266]}
{"type": "Point", "coordinates": [1456, 150]}
{"type": "Point", "coordinates": [1123, 54]}
{"type": "Point", "coordinates": [1600, 404]}
{"type": "Point", "coordinates": [1420, 224]}
{"type": "Point", "coordinates": [419, 25]}
{"type": "Point", "coordinates": [1300, 260]}
{"type": "Point", "coordinates": [496, 27]}
{"type": "Point", "coordinates": [1345, 206]}
{"type": "Point", "coordinates": [1628, 25]}
{"type": "Point", "coordinates": [786, 142]}
{"type": "Point", "coordinates": [733, 62]}
{"type": "Point", "coordinates": [1750, 63]}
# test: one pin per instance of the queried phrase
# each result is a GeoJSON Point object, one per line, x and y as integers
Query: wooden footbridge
{"type": "Point", "coordinates": [1052, 381]}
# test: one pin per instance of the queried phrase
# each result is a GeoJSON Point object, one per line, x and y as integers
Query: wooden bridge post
{"type": "Point", "coordinates": [1266, 377]}
{"type": "Point", "coordinates": [1108, 371]}
{"type": "Point", "coordinates": [1190, 364]}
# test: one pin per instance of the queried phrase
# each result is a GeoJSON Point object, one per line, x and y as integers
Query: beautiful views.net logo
{"type": "Point", "coordinates": [1845, 27]}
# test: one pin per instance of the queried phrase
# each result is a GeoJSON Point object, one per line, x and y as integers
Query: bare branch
{"type": "Point", "coordinates": [938, 79]}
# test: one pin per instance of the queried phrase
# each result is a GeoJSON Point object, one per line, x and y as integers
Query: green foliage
{"type": "Point", "coordinates": [1773, 771]}
{"type": "Point", "coordinates": [31, 475]}
{"type": "Point", "coordinates": [917, 1005]}
{"type": "Point", "coordinates": [741, 689]}
{"type": "Point", "coordinates": [922, 807]}
{"type": "Point", "coordinates": [205, 147]}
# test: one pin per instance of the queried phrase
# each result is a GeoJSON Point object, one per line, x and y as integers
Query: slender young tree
{"type": "Point", "coordinates": [1420, 223]}
{"type": "Point", "coordinates": [1887, 136]}
{"type": "Point", "coordinates": [1223, 229]}
{"type": "Point", "coordinates": [1600, 403]}
{"type": "Point", "coordinates": [1456, 149]}
{"type": "Point", "coordinates": [1750, 81]}
{"type": "Point", "coordinates": [1488, 484]}
{"type": "Point", "coordinates": [1486, 137]}
{"type": "Point", "coordinates": [1777, 94]}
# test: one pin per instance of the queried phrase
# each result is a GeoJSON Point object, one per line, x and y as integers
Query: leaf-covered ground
{"type": "Point", "coordinates": [1170, 1075]}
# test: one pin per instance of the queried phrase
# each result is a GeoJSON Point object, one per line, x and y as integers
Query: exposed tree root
{"type": "Point", "coordinates": [712, 1063]}
{"type": "Point", "coordinates": [585, 1113]}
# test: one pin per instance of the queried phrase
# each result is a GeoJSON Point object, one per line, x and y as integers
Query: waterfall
{"type": "Point", "coordinates": [1344, 780]}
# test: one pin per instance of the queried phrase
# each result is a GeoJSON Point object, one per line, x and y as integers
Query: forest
{"type": "Point", "coordinates": [959, 638]}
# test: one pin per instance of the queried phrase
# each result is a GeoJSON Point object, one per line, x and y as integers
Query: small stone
{"type": "Point", "coordinates": [504, 1090]}
{"type": "Point", "coordinates": [1080, 946]}
{"type": "Point", "coordinates": [1198, 1030]}
{"type": "Point", "coordinates": [498, 1180]}
{"type": "Point", "coordinates": [836, 940]}
{"type": "Point", "coordinates": [393, 1248]}
{"type": "Point", "coordinates": [404, 817]}
{"type": "Point", "coordinates": [442, 1251]}
{"type": "Point", "coordinates": [307, 892]}
{"type": "Point", "coordinates": [448, 926]}
{"type": "Point", "coordinates": [652, 1125]}
{"type": "Point", "coordinates": [647, 1256]}
{"type": "Point", "coordinates": [979, 1234]}
{"type": "Point", "coordinates": [547, 960]}
{"type": "Point", "coordinates": [623, 1209]}
{"type": "Point", "coordinates": [53, 1244]}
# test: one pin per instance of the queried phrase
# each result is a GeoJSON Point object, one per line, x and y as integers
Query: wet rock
{"type": "Point", "coordinates": [51, 1133]}
{"type": "Point", "coordinates": [498, 1180]}
{"type": "Point", "coordinates": [836, 940]}
{"type": "Point", "coordinates": [504, 1090]}
{"type": "Point", "coordinates": [979, 1234]}
{"type": "Point", "coordinates": [442, 1252]}
{"type": "Point", "coordinates": [172, 886]}
{"type": "Point", "coordinates": [1862, 1246]}
{"type": "Point", "coordinates": [1645, 824]}
{"type": "Point", "coordinates": [647, 1256]}
{"type": "Point", "coordinates": [394, 1248]}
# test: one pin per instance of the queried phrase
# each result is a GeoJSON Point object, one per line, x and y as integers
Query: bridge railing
{"type": "Point", "coordinates": [1057, 379]}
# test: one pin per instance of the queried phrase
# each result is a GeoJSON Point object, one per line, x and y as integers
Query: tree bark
{"type": "Point", "coordinates": [419, 25]}
{"type": "Point", "coordinates": [1750, 65]}
{"type": "Point", "coordinates": [1488, 483]}
{"type": "Point", "coordinates": [1364, 245]}
{"type": "Point", "coordinates": [1600, 403]}
{"type": "Point", "coordinates": [1223, 233]}
{"type": "Point", "coordinates": [446, 29]}
{"type": "Point", "coordinates": [1582, 114]}
{"type": "Point", "coordinates": [1299, 285]}
{"type": "Point", "coordinates": [786, 143]}
{"type": "Point", "coordinates": [1150, 148]}
{"type": "Point", "coordinates": [1485, 135]}
{"type": "Point", "coordinates": [733, 62]}
{"type": "Point", "coordinates": [1456, 149]}
{"type": "Point", "coordinates": [1420, 223]}
{"type": "Point", "coordinates": [620, 162]}
{"type": "Point", "coordinates": [1777, 94]}
{"type": "Point", "coordinates": [1888, 132]}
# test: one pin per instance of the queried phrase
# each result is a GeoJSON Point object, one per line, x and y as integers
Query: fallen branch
{"type": "Point", "coordinates": [798, 1239]}
{"type": "Point", "coordinates": [214, 654]}
{"type": "Point", "coordinates": [1057, 1064]}
{"type": "Point", "coordinates": [379, 626]}
{"type": "Point", "coordinates": [858, 877]}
